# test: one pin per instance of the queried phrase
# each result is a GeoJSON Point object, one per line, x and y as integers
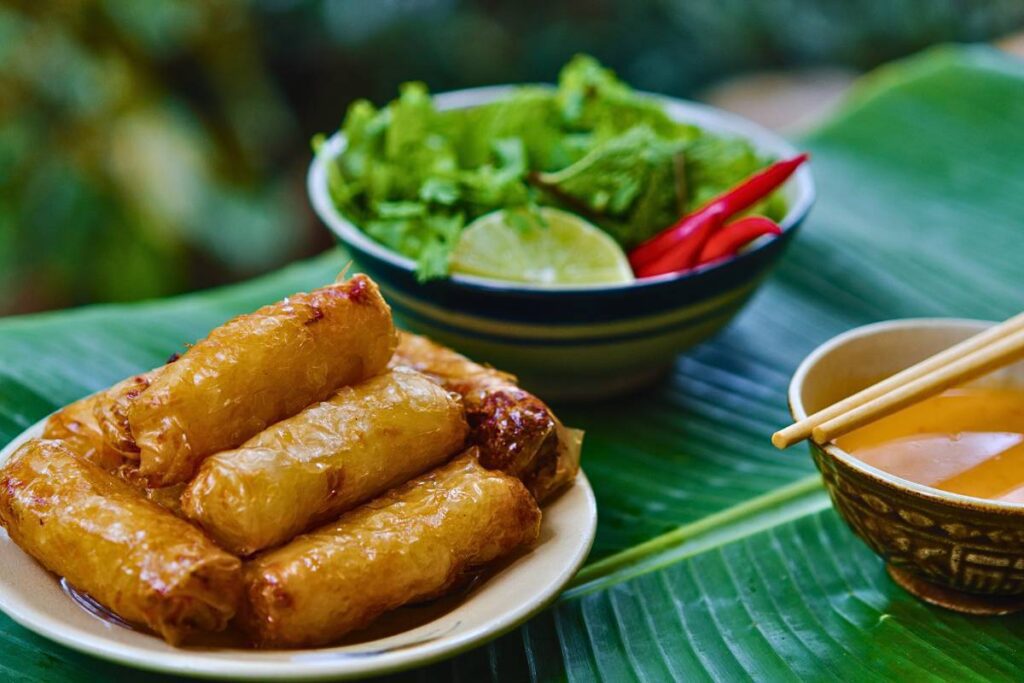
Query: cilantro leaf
{"type": "Point", "coordinates": [413, 177]}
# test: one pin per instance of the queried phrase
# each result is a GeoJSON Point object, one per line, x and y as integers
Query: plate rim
{"type": "Point", "coordinates": [196, 664]}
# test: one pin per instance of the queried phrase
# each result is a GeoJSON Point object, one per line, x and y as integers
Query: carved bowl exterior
{"type": "Point", "coordinates": [958, 551]}
{"type": "Point", "coordinates": [970, 548]}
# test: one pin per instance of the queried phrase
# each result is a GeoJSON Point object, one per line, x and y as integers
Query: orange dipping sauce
{"type": "Point", "coordinates": [968, 441]}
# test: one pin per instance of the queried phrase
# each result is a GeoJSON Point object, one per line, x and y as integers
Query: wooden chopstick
{"type": "Point", "coordinates": [803, 428]}
{"type": "Point", "coordinates": [980, 362]}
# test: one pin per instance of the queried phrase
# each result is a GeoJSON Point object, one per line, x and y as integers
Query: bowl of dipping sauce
{"type": "Point", "coordinates": [936, 489]}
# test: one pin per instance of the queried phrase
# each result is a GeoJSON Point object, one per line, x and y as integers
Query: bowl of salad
{"type": "Point", "coordinates": [581, 235]}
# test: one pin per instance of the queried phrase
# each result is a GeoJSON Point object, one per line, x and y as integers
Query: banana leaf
{"type": "Point", "coordinates": [717, 557]}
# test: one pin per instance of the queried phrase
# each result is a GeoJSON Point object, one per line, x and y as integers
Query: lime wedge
{"type": "Point", "coordinates": [560, 249]}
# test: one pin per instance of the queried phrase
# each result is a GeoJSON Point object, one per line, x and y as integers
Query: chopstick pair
{"type": "Point", "coordinates": [984, 352]}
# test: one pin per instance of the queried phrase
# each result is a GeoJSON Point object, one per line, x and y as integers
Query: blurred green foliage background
{"type": "Point", "coordinates": [153, 146]}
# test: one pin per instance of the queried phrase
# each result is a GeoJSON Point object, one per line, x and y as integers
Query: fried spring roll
{"type": "Point", "coordinates": [108, 541]}
{"type": "Point", "coordinates": [332, 456]}
{"type": "Point", "coordinates": [167, 497]}
{"type": "Point", "coordinates": [78, 426]}
{"type": "Point", "coordinates": [255, 370]}
{"type": "Point", "coordinates": [97, 425]}
{"type": "Point", "coordinates": [111, 413]}
{"type": "Point", "coordinates": [514, 430]}
{"type": "Point", "coordinates": [414, 543]}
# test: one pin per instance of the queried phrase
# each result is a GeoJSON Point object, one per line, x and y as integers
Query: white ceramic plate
{"type": "Point", "coordinates": [409, 637]}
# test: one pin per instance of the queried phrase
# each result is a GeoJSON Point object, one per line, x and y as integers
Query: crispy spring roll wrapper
{"type": "Point", "coordinates": [111, 413]}
{"type": "Point", "coordinates": [78, 426]}
{"type": "Point", "coordinates": [255, 370]}
{"type": "Point", "coordinates": [167, 497]}
{"type": "Point", "coordinates": [416, 542]}
{"type": "Point", "coordinates": [107, 540]}
{"type": "Point", "coordinates": [332, 456]}
{"type": "Point", "coordinates": [97, 425]}
{"type": "Point", "coordinates": [514, 430]}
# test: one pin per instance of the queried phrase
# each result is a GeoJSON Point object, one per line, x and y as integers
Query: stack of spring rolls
{"type": "Point", "coordinates": [298, 472]}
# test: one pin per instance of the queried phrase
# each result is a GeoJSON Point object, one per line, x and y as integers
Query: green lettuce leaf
{"type": "Point", "coordinates": [591, 98]}
{"type": "Point", "coordinates": [622, 184]}
{"type": "Point", "coordinates": [413, 177]}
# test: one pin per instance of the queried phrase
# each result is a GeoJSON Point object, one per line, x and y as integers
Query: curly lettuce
{"type": "Point", "coordinates": [413, 177]}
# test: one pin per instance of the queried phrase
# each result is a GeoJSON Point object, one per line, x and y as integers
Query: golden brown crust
{"type": "Point", "coordinates": [111, 413]}
{"type": "Point", "coordinates": [257, 369]}
{"type": "Point", "coordinates": [514, 430]}
{"type": "Point", "coordinates": [108, 541]}
{"type": "Point", "coordinates": [167, 497]}
{"type": "Point", "coordinates": [76, 425]}
{"type": "Point", "coordinates": [414, 543]}
{"type": "Point", "coordinates": [325, 460]}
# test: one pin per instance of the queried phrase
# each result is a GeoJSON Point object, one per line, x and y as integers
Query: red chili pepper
{"type": "Point", "coordinates": [740, 197]}
{"type": "Point", "coordinates": [683, 254]}
{"type": "Point", "coordinates": [727, 241]}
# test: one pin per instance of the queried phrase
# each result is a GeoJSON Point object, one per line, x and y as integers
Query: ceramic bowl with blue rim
{"type": "Point", "coordinates": [575, 342]}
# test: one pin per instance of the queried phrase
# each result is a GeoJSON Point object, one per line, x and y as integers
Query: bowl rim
{"type": "Point", "coordinates": [707, 117]}
{"type": "Point", "coordinates": [937, 496]}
